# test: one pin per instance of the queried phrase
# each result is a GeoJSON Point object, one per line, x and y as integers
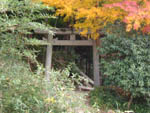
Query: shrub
{"type": "Point", "coordinates": [26, 92]}
{"type": "Point", "coordinates": [21, 89]}
{"type": "Point", "coordinates": [125, 63]}
{"type": "Point", "coordinates": [62, 91]}
{"type": "Point", "coordinates": [106, 99]}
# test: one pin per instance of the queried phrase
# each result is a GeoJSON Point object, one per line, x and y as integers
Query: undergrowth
{"type": "Point", "coordinates": [106, 99]}
{"type": "Point", "coordinates": [23, 91]}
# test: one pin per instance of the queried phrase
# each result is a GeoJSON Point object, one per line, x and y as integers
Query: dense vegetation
{"type": "Point", "coordinates": [125, 64]}
{"type": "Point", "coordinates": [108, 98]}
{"type": "Point", "coordinates": [22, 84]}
{"type": "Point", "coordinates": [125, 69]}
{"type": "Point", "coordinates": [21, 89]}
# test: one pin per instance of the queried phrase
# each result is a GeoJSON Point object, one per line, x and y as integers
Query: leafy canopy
{"type": "Point", "coordinates": [93, 15]}
{"type": "Point", "coordinates": [86, 14]}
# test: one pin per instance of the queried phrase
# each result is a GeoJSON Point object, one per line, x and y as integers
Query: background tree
{"type": "Point", "coordinates": [137, 14]}
{"type": "Point", "coordinates": [86, 14]}
{"type": "Point", "coordinates": [93, 15]}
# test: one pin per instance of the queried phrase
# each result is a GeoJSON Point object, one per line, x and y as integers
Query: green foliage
{"type": "Point", "coordinates": [22, 15]}
{"type": "Point", "coordinates": [125, 64]}
{"type": "Point", "coordinates": [106, 99]}
{"type": "Point", "coordinates": [21, 89]}
{"type": "Point", "coordinates": [62, 90]}
{"type": "Point", "coordinates": [18, 19]}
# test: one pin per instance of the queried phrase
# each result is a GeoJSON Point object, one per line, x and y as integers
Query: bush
{"type": "Point", "coordinates": [125, 63]}
{"type": "Point", "coordinates": [26, 92]}
{"type": "Point", "coordinates": [106, 99]}
{"type": "Point", "coordinates": [21, 89]}
{"type": "Point", "coordinates": [62, 92]}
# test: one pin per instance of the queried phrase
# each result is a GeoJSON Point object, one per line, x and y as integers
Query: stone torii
{"type": "Point", "coordinates": [71, 42]}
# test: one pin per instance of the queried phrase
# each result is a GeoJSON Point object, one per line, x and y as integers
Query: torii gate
{"type": "Point", "coordinates": [71, 42]}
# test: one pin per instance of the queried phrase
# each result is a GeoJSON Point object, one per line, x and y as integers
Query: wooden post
{"type": "Point", "coordinates": [96, 65]}
{"type": "Point", "coordinates": [48, 58]}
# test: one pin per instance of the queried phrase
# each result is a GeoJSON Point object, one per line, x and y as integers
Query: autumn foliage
{"type": "Point", "coordinates": [86, 14]}
{"type": "Point", "coordinates": [93, 15]}
{"type": "Point", "coordinates": [138, 14]}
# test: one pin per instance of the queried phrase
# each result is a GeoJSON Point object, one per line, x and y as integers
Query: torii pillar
{"type": "Point", "coordinates": [96, 67]}
{"type": "Point", "coordinates": [48, 62]}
